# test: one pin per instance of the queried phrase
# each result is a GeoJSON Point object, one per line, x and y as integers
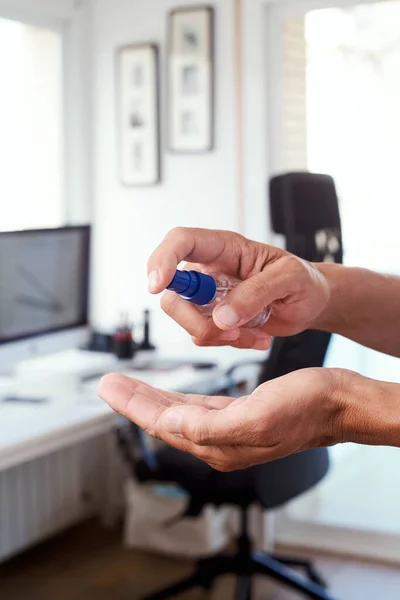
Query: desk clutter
{"type": "Point", "coordinates": [122, 342]}
{"type": "Point", "coordinates": [72, 377]}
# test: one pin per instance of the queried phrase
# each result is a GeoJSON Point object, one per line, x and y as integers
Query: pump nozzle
{"type": "Point", "coordinates": [194, 286]}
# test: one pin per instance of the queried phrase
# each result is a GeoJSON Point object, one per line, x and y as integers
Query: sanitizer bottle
{"type": "Point", "coordinates": [206, 291]}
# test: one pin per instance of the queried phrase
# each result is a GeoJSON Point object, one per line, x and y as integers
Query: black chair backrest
{"type": "Point", "coordinates": [304, 208]}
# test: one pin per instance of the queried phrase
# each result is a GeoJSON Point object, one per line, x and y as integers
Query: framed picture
{"type": "Point", "coordinates": [191, 79]}
{"type": "Point", "coordinates": [138, 114]}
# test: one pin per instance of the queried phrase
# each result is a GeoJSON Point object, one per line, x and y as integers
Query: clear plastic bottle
{"type": "Point", "coordinates": [206, 291]}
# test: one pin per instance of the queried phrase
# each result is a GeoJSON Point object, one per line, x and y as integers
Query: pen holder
{"type": "Point", "coordinates": [123, 347]}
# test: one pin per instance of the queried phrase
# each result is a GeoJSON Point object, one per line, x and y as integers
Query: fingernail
{"type": "Point", "coordinates": [262, 344]}
{"type": "Point", "coordinates": [154, 280]}
{"type": "Point", "coordinates": [227, 316]}
{"type": "Point", "coordinates": [230, 336]}
{"type": "Point", "coordinates": [172, 421]}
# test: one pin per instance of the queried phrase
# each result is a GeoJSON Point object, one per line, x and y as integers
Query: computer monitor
{"type": "Point", "coordinates": [44, 289]}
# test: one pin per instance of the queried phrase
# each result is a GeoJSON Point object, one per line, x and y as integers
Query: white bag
{"type": "Point", "coordinates": [150, 508]}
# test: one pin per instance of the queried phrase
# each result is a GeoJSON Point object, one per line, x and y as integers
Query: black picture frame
{"type": "Point", "coordinates": [153, 167]}
{"type": "Point", "coordinates": [176, 65]}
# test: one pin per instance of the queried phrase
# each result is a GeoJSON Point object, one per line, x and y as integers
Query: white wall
{"type": "Point", "coordinates": [195, 191]}
{"type": "Point", "coordinates": [255, 118]}
{"type": "Point", "coordinates": [38, 10]}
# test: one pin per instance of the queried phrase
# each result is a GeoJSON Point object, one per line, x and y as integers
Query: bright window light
{"type": "Point", "coordinates": [31, 126]}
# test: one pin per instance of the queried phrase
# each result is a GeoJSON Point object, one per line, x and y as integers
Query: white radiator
{"type": "Point", "coordinates": [41, 498]}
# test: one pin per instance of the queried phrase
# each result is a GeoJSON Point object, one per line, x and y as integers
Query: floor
{"type": "Point", "coordinates": [365, 472]}
{"type": "Point", "coordinates": [88, 563]}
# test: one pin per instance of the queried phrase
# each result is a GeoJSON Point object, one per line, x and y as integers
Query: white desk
{"type": "Point", "coordinates": [28, 431]}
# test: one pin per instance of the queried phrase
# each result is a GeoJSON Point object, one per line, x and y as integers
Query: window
{"type": "Point", "coordinates": [338, 95]}
{"type": "Point", "coordinates": [31, 126]}
{"type": "Point", "coordinates": [353, 123]}
{"type": "Point", "coordinates": [340, 115]}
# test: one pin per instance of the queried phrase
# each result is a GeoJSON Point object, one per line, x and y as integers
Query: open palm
{"type": "Point", "coordinates": [281, 417]}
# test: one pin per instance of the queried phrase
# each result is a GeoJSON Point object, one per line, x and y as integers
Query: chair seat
{"type": "Point", "coordinates": [269, 485]}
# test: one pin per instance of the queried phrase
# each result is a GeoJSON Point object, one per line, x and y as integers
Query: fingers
{"type": "Point", "coordinates": [203, 420]}
{"type": "Point", "coordinates": [223, 458]}
{"type": "Point", "coordinates": [209, 402]}
{"type": "Point", "coordinates": [187, 428]}
{"type": "Point", "coordinates": [204, 331]}
{"type": "Point", "coordinates": [199, 326]}
{"type": "Point", "coordinates": [144, 404]}
{"type": "Point", "coordinates": [219, 430]}
{"type": "Point", "coordinates": [253, 339]}
{"type": "Point", "coordinates": [249, 339]}
{"type": "Point", "coordinates": [135, 400]}
{"type": "Point", "coordinates": [275, 283]}
{"type": "Point", "coordinates": [233, 425]}
{"type": "Point", "coordinates": [195, 245]}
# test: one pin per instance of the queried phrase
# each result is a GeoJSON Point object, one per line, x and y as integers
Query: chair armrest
{"type": "Point", "coordinates": [234, 379]}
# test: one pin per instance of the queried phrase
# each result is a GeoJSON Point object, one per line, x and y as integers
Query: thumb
{"type": "Point", "coordinates": [250, 297]}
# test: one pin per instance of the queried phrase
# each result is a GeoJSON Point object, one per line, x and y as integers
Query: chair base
{"type": "Point", "coordinates": [245, 564]}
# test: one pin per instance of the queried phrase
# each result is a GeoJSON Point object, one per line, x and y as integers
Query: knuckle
{"type": "Point", "coordinates": [203, 331]}
{"type": "Point", "coordinates": [225, 460]}
{"type": "Point", "coordinates": [199, 327]}
{"type": "Point", "coordinates": [201, 342]}
{"type": "Point", "coordinates": [204, 334]}
{"type": "Point", "coordinates": [201, 436]}
{"type": "Point", "coordinates": [292, 263]}
{"type": "Point", "coordinates": [175, 231]}
{"type": "Point", "coordinates": [256, 289]}
{"type": "Point", "coordinates": [205, 454]}
{"type": "Point", "coordinates": [169, 302]}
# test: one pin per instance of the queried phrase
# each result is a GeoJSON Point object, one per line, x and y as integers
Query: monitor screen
{"type": "Point", "coordinates": [44, 280]}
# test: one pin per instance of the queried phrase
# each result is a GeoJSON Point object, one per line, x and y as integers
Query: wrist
{"type": "Point", "coordinates": [367, 411]}
{"type": "Point", "coordinates": [331, 274]}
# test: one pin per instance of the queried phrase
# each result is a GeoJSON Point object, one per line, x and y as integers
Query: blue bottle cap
{"type": "Point", "coordinates": [194, 286]}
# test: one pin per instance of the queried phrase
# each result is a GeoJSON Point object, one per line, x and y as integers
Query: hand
{"type": "Point", "coordinates": [296, 412]}
{"type": "Point", "coordinates": [295, 289]}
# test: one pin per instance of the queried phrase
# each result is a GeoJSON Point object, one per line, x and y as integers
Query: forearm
{"type": "Point", "coordinates": [364, 306]}
{"type": "Point", "coordinates": [368, 411]}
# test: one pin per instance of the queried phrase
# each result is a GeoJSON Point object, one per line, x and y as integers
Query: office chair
{"type": "Point", "coordinates": [304, 208]}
